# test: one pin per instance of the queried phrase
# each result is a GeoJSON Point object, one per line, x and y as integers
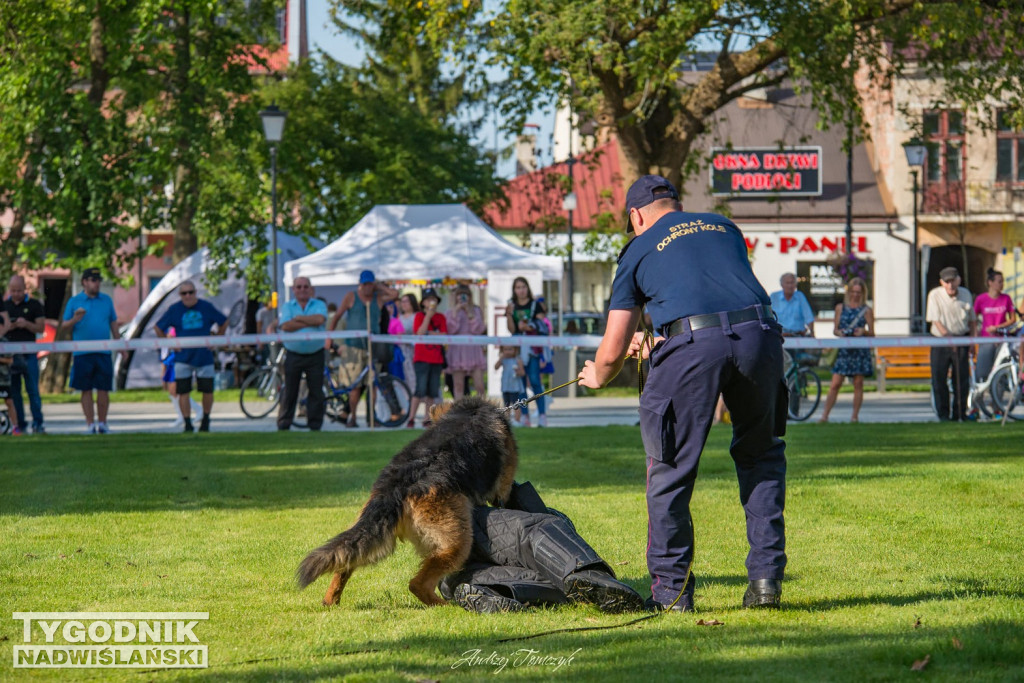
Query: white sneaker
{"type": "Point", "coordinates": [90, 428]}
{"type": "Point", "coordinates": [542, 420]}
{"type": "Point", "coordinates": [102, 428]}
{"type": "Point", "coordinates": [525, 422]}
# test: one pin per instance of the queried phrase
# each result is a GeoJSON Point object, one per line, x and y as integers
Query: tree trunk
{"type": "Point", "coordinates": [9, 245]}
{"type": "Point", "coordinates": [186, 188]}
{"type": "Point", "coordinates": [58, 365]}
{"type": "Point", "coordinates": [186, 196]}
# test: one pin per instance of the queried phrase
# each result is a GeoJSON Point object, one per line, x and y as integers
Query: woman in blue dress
{"type": "Point", "coordinates": [854, 318]}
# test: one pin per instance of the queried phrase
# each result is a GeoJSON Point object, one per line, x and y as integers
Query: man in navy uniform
{"type": "Point", "coordinates": [715, 334]}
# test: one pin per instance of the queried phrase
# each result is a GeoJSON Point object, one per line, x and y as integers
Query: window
{"type": "Point", "coordinates": [1009, 149]}
{"type": "Point", "coordinates": [944, 132]}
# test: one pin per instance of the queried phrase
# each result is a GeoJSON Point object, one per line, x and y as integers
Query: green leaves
{"type": "Point", "coordinates": [127, 112]}
{"type": "Point", "coordinates": [351, 144]}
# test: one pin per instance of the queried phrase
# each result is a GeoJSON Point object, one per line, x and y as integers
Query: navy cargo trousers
{"type": "Point", "coordinates": [744, 362]}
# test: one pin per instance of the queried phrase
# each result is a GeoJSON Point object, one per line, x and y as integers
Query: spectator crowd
{"type": "Point", "coordinates": [427, 368]}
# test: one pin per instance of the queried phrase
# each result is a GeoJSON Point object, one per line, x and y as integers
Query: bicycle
{"type": "Point", "coordinates": [261, 393]}
{"type": "Point", "coordinates": [803, 383]}
{"type": "Point", "coordinates": [1000, 381]}
{"type": "Point", "coordinates": [1004, 384]}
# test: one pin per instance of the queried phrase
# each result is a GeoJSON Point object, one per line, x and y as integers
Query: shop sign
{"type": "Point", "coordinates": [807, 244]}
{"type": "Point", "coordinates": [766, 171]}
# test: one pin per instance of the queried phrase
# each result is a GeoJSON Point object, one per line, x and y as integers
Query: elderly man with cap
{"type": "Point", "coordinates": [715, 334]}
{"type": "Point", "coordinates": [90, 315]}
{"type": "Point", "coordinates": [363, 307]}
{"type": "Point", "coordinates": [950, 311]}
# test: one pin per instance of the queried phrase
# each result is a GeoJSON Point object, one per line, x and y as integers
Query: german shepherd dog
{"type": "Point", "coordinates": [425, 495]}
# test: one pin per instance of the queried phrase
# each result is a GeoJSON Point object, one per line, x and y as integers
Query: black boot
{"type": "Point", "coordinates": [482, 599]}
{"type": "Point", "coordinates": [601, 589]}
{"type": "Point", "coordinates": [763, 594]}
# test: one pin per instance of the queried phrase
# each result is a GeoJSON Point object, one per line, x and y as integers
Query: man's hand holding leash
{"type": "Point", "coordinates": [618, 343]}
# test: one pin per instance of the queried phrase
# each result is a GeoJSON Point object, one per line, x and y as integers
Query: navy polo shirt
{"type": "Point", "coordinates": [192, 322]}
{"type": "Point", "coordinates": [686, 264]}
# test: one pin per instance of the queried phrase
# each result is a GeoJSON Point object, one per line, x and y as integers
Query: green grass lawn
{"type": "Point", "coordinates": [136, 396]}
{"type": "Point", "coordinates": [904, 541]}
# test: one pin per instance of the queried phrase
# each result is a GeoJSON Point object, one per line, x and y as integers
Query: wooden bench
{"type": "Point", "coordinates": [903, 362]}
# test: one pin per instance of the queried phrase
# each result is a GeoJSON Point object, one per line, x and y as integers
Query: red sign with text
{"type": "Point", "coordinates": [807, 244]}
{"type": "Point", "coordinates": [766, 171]}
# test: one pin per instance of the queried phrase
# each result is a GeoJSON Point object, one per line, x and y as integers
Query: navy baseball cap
{"type": "Point", "coordinates": [92, 273]}
{"type": "Point", "coordinates": [366, 276]}
{"type": "Point", "coordinates": [428, 293]}
{"type": "Point", "coordinates": [647, 189]}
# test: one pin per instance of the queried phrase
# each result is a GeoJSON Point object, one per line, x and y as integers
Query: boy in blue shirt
{"type": "Point", "coordinates": [192, 317]}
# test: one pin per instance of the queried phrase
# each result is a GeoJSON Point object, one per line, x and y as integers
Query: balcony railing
{"type": "Point", "coordinates": [973, 197]}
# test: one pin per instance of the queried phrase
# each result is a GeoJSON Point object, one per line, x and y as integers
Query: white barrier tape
{"type": "Point", "coordinates": [578, 341]}
{"type": "Point", "coordinates": [583, 341]}
{"type": "Point", "coordinates": [876, 342]}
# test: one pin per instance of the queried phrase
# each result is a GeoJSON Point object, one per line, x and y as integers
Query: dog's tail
{"type": "Point", "coordinates": [369, 540]}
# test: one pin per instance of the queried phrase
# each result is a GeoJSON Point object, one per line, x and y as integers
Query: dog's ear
{"type": "Point", "coordinates": [438, 410]}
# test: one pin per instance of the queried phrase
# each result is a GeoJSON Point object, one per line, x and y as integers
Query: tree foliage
{"type": "Point", "coordinates": [624, 64]}
{"type": "Point", "coordinates": [64, 152]}
{"type": "Point", "coordinates": [125, 112]}
{"type": "Point", "coordinates": [424, 49]}
{"type": "Point", "coordinates": [349, 145]}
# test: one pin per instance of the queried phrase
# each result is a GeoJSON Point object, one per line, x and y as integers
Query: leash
{"type": "Point", "coordinates": [521, 403]}
{"type": "Point", "coordinates": [648, 339]}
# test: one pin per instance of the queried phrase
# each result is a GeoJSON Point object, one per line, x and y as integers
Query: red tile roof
{"type": "Point", "coordinates": [277, 61]}
{"type": "Point", "coordinates": [535, 199]}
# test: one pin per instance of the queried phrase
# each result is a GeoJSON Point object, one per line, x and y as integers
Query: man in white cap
{"type": "Point", "coordinates": [951, 313]}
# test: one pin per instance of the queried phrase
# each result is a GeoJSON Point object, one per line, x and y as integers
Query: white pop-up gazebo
{"type": "Point", "coordinates": [418, 242]}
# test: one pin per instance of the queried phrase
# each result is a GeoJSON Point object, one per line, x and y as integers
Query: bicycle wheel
{"type": "Point", "coordinates": [301, 403]}
{"type": "Point", "coordinates": [1005, 391]}
{"type": "Point", "coordinates": [978, 402]}
{"type": "Point", "coordinates": [260, 393]}
{"type": "Point", "coordinates": [5, 422]}
{"type": "Point", "coordinates": [804, 394]}
{"type": "Point", "coordinates": [391, 401]}
{"type": "Point", "coordinates": [333, 405]}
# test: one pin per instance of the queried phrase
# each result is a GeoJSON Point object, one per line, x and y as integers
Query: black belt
{"type": "Point", "coordinates": [705, 320]}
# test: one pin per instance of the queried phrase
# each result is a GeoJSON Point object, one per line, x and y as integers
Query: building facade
{"type": "Point", "coordinates": [784, 182]}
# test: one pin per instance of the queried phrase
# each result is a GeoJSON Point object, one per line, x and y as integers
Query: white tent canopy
{"type": "Point", "coordinates": [419, 241]}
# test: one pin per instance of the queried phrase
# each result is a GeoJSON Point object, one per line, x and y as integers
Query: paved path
{"type": "Point", "coordinates": [564, 412]}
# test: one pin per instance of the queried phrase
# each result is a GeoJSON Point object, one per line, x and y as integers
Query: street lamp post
{"type": "Point", "coordinates": [569, 204]}
{"type": "Point", "coordinates": [916, 151]}
{"type": "Point", "coordinates": [273, 130]}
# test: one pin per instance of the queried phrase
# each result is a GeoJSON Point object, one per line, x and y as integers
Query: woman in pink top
{"type": "Point", "coordinates": [995, 313]}
{"type": "Point", "coordinates": [465, 317]}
